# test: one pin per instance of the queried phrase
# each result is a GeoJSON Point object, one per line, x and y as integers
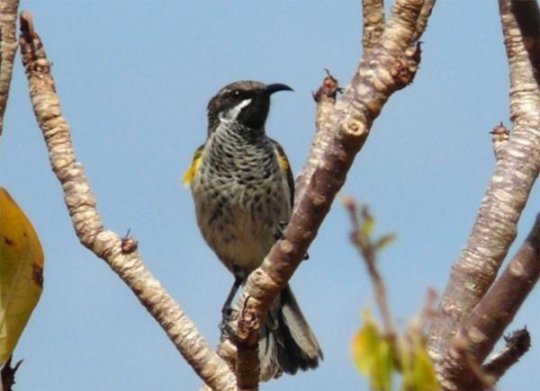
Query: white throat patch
{"type": "Point", "coordinates": [231, 114]}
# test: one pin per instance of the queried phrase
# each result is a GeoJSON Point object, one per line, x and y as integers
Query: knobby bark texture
{"type": "Point", "coordinates": [119, 253]}
{"type": "Point", "coordinates": [516, 169]}
{"type": "Point", "coordinates": [373, 26]}
{"type": "Point", "coordinates": [325, 97]}
{"type": "Point", "coordinates": [517, 344]}
{"type": "Point", "coordinates": [8, 48]}
{"type": "Point", "coordinates": [486, 324]}
{"type": "Point", "coordinates": [387, 67]}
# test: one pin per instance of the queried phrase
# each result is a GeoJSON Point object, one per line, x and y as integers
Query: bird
{"type": "Point", "coordinates": [243, 190]}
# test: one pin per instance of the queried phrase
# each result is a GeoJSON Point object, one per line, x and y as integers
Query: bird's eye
{"type": "Point", "coordinates": [236, 93]}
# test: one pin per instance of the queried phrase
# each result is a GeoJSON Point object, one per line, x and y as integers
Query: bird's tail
{"type": "Point", "coordinates": [287, 342]}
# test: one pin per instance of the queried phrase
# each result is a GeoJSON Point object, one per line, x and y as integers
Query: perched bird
{"type": "Point", "coordinates": [243, 190]}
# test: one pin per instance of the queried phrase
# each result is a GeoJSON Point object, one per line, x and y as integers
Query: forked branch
{"type": "Point", "coordinates": [482, 329]}
{"type": "Point", "coordinates": [468, 310]}
{"type": "Point", "coordinates": [494, 230]}
{"type": "Point", "coordinates": [388, 67]}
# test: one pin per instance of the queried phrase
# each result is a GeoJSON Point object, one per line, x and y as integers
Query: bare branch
{"type": "Point", "coordinates": [527, 16]}
{"type": "Point", "coordinates": [326, 100]}
{"type": "Point", "coordinates": [504, 200]}
{"type": "Point", "coordinates": [373, 14]}
{"type": "Point", "coordinates": [368, 252]}
{"type": "Point", "coordinates": [517, 344]}
{"type": "Point", "coordinates": [247, 364]}
{"type": "Point", "coordinates": [7, 374]}
{"type": "Point", "coordinates": [8, 47]}
{"type": "Point", "coordinates": [81, 204]}
{"type": "Point", "coordinates": [472, 371]}
{"type": "Point", "coordinates": [486, 324]}
{"type": "Point", "coordinates": [227, 351]}
{"type": "Point", "coordinates": [378, 76]}
{"type": "Point", "coordinates": [423, 18]}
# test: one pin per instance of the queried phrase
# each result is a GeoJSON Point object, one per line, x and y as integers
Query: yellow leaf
{"type": "Point", "coordinates": [418, 370]}
{"type": "Point", "coordinates": [365, 344]}
{"type": "Point", "coordinates": [381, 373]}
{"type": "Point", "coordinates": [372, 355]}
{"type": "Point", "coordinates": [367, 224]}
{"type": "Point", "coordinates": [21, 273]}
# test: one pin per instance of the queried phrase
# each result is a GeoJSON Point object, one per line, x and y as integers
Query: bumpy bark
{"type": "Point", "coordinates": [119, 253]}
{"type": "Point", "coordinates": [386, 68]}
{"type": "Point", "coordinates": [516, 170]}
{"type": "Point", "coordinates": [8, 47]}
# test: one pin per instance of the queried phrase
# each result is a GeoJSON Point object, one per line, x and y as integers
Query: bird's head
{"type": "Point", "coordinates": [246, 102]}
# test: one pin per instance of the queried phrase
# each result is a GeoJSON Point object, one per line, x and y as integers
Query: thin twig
{"type": "Point", "coordinates": [517, 344]}
{"type": "Point", "coordinates": [7, 374]}
{"type": "Point", "coordinates": [326, 99]}
{"type": "Point", "coordinates": [368, 252]}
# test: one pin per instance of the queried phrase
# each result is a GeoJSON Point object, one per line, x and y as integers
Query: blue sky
{"type": "Point", "coordinates": [135, 77]}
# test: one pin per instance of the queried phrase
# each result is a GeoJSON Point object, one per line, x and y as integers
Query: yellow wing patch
{"type": "Point", "coordinates": [192, 170]}
{"type": "Point", "coordinates": [284, 162]}
{"type": "Point", "coordinates": [285, 166]}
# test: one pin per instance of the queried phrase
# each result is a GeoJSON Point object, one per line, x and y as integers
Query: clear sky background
{"type": "Point", "coordinates": [135, 77]}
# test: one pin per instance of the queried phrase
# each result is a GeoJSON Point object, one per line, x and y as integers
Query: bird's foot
{"type": "Point", "coordinates": [278, 234]}
{"type": "Point", "coordinates": [278, 231]}
{"type": "Point", "coordinates": [228, 316]}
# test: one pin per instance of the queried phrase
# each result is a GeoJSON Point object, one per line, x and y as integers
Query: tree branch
{"type": "Point", "coordinates": [107, 245]}
{"type": "Point", "coordinates": [388, 67]}
{"type": "Point", "coordinates": [527, 15]}
{"type": "Point", "coordinates": [7, 374]}
{"type": "Point", "coordinates": [8, 47]}
{"type": "Point", "coordinates": [367, 249]}
{"type": "Point", "coordinates": [517, 344]}
{"type": "Point", "coordinates": [325, 97]}
{"type": "Point", "coordinates": [486, 324]}
{"type": "Point", "coordinates": [373, 16]}
{"type": "Point", "coordinates": [423, 18]}
{"type": "Point", "coordinates": [494, 230]}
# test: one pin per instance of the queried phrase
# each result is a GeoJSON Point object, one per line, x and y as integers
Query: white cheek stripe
{"type": "Point", "coordinates": [232, 114]}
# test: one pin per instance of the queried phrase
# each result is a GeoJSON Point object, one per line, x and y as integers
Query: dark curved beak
{"type": "Point", "coordinates": [275, 87]}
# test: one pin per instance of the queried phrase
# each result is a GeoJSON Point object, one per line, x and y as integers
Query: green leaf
{"type": "Point", "coordinates": [21, 273]}
{"type": "Point", "coordinates": [383, 242]}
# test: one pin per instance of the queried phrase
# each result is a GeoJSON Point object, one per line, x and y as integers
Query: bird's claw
{"type": "Point", "coordinates": [278, 235]}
